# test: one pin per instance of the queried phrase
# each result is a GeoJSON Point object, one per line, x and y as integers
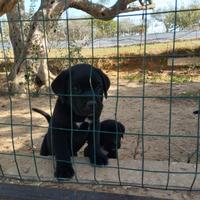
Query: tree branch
{"type": "Point", "coordinates": [6, 6]}
{"type": "Point", "coordinates": [102, 12]}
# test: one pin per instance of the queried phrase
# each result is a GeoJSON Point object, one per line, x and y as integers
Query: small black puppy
{"type": "Point", "coordinates": [196, 112]}
{"type": "Point", "coordinates": [110, 136]}
{"type": "Point", "coordinates": [80, 92]}
{"type": "Point", "coordinates": [111, 133]}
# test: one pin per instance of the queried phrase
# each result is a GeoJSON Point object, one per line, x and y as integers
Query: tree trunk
{"type": "Point", "coordinates": [30, 71]}
{"type": "Point", "coordinates": [15, 30]}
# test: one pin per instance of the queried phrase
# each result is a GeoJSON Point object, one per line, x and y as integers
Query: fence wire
{"type": "Point", "coordinates": [139, 173]}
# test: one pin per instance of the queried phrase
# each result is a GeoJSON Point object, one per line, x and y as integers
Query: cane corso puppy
{"type": "Point", "coordinates": [80, 91]}
{"type": "Point", "coordinates": [196, 112]}
{"type": "Point", "coordinates": [111, 133]}
{"type": "Point", "coordinates": [110, 136]}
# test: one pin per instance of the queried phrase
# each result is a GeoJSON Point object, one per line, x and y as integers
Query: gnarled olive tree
{"type": "Point", "coordinates": [30, 52]}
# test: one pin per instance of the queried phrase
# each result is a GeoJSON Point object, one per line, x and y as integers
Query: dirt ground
{"type": "Point", "coordinates": [148, 129]}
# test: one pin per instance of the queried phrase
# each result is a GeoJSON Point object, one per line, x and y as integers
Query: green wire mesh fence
{"type": "Point", "coordinates": [160, 148]}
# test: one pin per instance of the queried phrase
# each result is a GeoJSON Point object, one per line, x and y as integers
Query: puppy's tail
{"type": "Point", "coordinates": [46, 115]}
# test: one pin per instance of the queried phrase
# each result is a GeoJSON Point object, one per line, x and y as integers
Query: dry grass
{"type": "Point", "coordinates": [131, 60]}
{"type": "Point", "coordinates": [179, 77]}
{"type": "Point", "coordinates": [151, 49]}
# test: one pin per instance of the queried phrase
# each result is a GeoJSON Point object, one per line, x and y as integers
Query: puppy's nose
{"type": "Point", "coordinates": [91, 104]}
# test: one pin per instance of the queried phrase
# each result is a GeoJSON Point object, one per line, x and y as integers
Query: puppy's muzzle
{"type": "Point", "coordinates": [90, 105]}
{"type": "Point", "coordinates": [87, 105]}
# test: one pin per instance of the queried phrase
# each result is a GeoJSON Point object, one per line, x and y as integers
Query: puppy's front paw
{"type": "Point", "coordinates": [65, 171]}
{"type": "Point", "coordinates": [101, 158]}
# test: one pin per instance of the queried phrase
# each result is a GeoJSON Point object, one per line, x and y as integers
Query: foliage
{"type": "Point", "coordinates": [184, 19]}
{"type": "Point", "coordinates": [97, 28]}
{"type": "Point", "coordinates": [104, 28]}
{"type": "Point", "coordinates": [75, 53]}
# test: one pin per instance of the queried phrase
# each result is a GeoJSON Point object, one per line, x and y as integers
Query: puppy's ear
{"type": "Point", "coordinates": [59, 85]}
{"type": "Point", "coordinates": [196, 112]}
{"type": "Point", "coordinates": [105, 80]}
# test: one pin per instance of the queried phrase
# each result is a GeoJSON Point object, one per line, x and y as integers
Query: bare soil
{"type": "Point", "coordinates": [149, 121]}
{"type": "Point", "coordinates": [160, 118]}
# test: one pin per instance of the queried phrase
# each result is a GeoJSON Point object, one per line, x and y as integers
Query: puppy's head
{"type": "Point", "coordinates": [82, 87]}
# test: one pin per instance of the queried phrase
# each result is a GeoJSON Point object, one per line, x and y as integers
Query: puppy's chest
{"type": "Point", "coordinates": [85, 124]}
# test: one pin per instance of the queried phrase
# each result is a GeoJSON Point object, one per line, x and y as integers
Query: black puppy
{"type": "Point", "coordinates": [110, 136]}
{"type": "Point", "coordinates": [111, 133]}
{"type": "Point", "coordinates": [80, 92]}
{"type": "Point", "coordinates": [196, 112]}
